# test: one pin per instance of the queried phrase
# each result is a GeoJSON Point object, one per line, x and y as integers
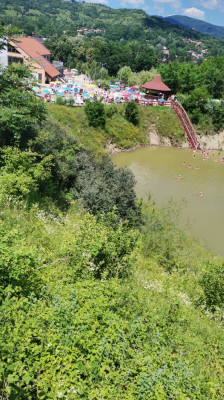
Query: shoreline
{"type": "Point", "coordinates": [209, 142]}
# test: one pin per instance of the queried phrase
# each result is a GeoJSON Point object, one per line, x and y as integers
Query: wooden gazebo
{"type": "Point", "coordinates": [156, 88]}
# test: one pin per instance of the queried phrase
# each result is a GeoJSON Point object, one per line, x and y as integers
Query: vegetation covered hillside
{"type": "Point", "coordinates": [42, 18]}
{"type": "Point", "coordinates": [197, 25]}
{"type": "Point", "coordinates": [101, 297]}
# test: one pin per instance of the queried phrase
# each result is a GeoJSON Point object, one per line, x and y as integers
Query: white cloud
{"type": "Point", "coordinates": [194, 13]}
{"type": "Point", "coordinates": [175, 4]}
{"type": "Point", "coordinates": [159, 10]}
{"type": "Point", "coordinates": [105, 2]}
{"type": "Point", "coordinates": [133, 3]}
{"type": "Point", "coordinates": [213, 4]}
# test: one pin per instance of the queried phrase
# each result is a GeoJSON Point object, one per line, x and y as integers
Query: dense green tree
{"type": "Point", "coordinates": [212, 75]}
{"type": "Point", "coordinates": [98, 185]}
{"type": "Point", "coordinates": [217, 112]}
{"type": "Point", "coordinates": [132, 113]}
{"type": "Point", "coordinates": [196, 103]}
{"type": "Point", "coordinates": [20, 111]}
{"type": "Point", "coordinates": [95, 113]}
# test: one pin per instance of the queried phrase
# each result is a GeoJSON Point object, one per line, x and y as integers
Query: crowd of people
{"type": "Point", "coordinates": [77, 88]}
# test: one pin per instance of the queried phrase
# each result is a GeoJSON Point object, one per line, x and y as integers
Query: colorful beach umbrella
{"type": "Point", "coordinates": [46, 91]}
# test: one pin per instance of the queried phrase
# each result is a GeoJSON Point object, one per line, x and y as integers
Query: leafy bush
{"type": "Point", "coordinates": [132, 113]}
{"type": "Point", "coordinates": [196, 104]}
{"type": "Point", "coordinates": [23, 174]}
{"type": "Point", "coordinates": [212, 282]}
{"type": "Point", "coordinates": [218, 116]}
{"type": "Point", "coordinates": [98, 185]}
{"type": "Point", "coordinates": [21, 113]}
{"type": "Point", "coordinates": [18, 263]}
{"type": "Point", "coordinates": [111, 110]}
{"type": "Point", "coordinates": [95, 113]}
{"type": "Point", "coordinates": [60, 101]}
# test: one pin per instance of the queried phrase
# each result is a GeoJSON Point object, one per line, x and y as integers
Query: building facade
{"type": "Point", "coordinates": [34, 54]}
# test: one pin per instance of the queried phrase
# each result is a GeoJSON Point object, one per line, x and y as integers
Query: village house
{"type": "Point", "coordinates": [35, 55]}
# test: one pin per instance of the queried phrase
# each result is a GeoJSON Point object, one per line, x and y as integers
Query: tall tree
{"type": "Point", "coordinates": [20, 111]}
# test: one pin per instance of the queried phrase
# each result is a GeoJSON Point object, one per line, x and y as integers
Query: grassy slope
{"type": "Point", "coordinates": [72, 336]}
{"type": "Point", "coordinates": [118, 130]}
{"type": "Point", "coordinates": [139, 338]}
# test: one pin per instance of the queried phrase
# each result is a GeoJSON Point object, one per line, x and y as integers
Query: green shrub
{"type": "Point", "coordinates": [60, 101]}
{"type": "Point", "coordinates": [212, 282]}
{"type": "Point", "coordinates": [111, 110]}
{"type": "Point", "coordinates": [21, 113]}
{"type": "Point", "coordinates": [97, 184]}
{"type": "Point", "coordinates": [95, 113]}
{"type": "Point", "coordinates": [23, 174]}
{"type": "Point", "coordinates": [131, 113]}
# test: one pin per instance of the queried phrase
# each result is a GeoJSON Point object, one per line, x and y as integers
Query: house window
{"type": "Point", "coordinates": [14, 59]}
{"type": "Point", "coordinates": [12, 49]}
{"type": "Point", "coordinates": [40, 77]}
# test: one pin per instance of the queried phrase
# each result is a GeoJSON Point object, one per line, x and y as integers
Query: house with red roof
{"type": "Point", "coordinates": [35, 55]}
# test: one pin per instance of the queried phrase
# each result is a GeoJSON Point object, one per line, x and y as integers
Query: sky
{"type": "Point", "coordinates": [211, 11]}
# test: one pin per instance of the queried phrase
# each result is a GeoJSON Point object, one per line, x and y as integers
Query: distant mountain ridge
{"type": "Point", "coordinates": [196, 24]}
{"type": "Point", "coordinates": [43, 18]}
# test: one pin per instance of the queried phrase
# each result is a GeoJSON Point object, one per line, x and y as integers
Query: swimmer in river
{"type": "Point", "coordinates": [189, 166]}
{"type": "Point", "coordinates": [179, 177]}
{"type": "Point", "coordinates": [200, 194]}
{"type": "Point", "coordinates": [184, 163]}
{"type": "Point", "coordinates": [196, 168]}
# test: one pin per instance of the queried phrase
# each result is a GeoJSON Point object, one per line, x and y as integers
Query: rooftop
{"type": "Point", "coordinates": [36, 50]}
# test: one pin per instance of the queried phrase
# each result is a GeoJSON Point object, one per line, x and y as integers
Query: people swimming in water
{"type": "Point", "coordinates": [179, 177]}
{"type": "Point", "coordinates": [184, 163]}
{"type": "Point", "coordinates": [196, 167]}
{"type": "Point", "coordinates": [189, 166]}
{"type": "Point", "coordinates": [200, 194]}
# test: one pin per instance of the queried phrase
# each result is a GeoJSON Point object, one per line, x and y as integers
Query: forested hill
{"type": "Point", "coordinates": [45, 18]}
{"type": "Point", "coordinates": [197, 25]}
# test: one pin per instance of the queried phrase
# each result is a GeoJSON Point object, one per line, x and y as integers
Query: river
{"type": "Point", "coordinates": [156, 171]}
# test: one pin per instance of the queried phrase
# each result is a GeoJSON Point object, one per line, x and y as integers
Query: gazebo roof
{"type": "Point", "coordinates": [156, 84]}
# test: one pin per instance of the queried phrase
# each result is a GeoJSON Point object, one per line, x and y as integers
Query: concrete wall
{"type": "Point", "coordinates": [35, 68]}
{"type": "Point", "coordinates": [3, 57]}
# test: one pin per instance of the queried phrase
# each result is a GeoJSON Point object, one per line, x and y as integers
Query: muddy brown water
{"type": "Point", "coordinates": [156, 170]}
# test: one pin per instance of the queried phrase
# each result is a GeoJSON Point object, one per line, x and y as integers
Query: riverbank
{"type": "Point", "coordinates": [209, 142]}
{"type": "Point", "coordinates": [159, 126]}
{"type": "Point", "coordinates": [119, 134]}
{"type": "Point", "coordinates": [213, 142]}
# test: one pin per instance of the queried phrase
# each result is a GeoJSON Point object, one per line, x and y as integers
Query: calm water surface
{"type": "Point", "coordinates": [156, 170]}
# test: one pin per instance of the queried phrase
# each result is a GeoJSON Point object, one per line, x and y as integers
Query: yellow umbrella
{"type": "Point", "coordinates": [89, 85]}
{"type": "Point", "coordinates": [57, 82]}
